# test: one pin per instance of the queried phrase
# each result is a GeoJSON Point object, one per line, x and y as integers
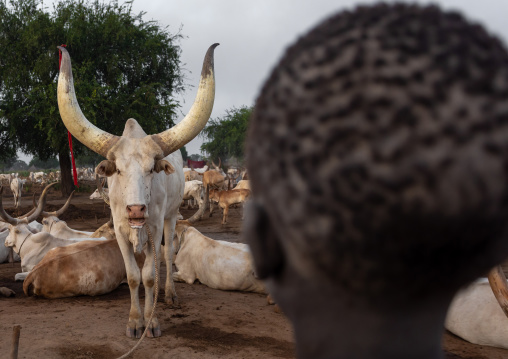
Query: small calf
{"type": "Point", "coordinates": [216, 264]}
{"type": "Point", "coordinates": [228, 198]}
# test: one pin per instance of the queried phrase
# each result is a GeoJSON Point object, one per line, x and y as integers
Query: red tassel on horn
{"type": "Point", "coordinates": [74, 172]}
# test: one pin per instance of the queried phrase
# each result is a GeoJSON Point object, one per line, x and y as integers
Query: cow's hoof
{"type": "Point", "coordinates": [6, 292]}
{"type": "Point", "coordinates": [134, 333]}
{"type": "Point", "coordinates": [153, 332]}
{"type": "Point", "coordinates": [173, 303]}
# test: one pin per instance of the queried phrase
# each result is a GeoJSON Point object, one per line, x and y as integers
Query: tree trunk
{"type": "Point", "coordinates": [66, 180]}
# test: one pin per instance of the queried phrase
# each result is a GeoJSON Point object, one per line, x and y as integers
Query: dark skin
{"type": "Point", "coordinates": [328, 321]}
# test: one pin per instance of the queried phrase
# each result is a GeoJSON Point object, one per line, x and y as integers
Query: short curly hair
{"type": "Point", "coordinates": [379, 147]}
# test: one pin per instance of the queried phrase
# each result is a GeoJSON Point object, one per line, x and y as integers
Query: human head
{"type": "Point", "coordinates": [390, 180]}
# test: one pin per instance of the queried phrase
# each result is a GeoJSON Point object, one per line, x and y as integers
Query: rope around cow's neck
{"type": "Point", "coordinates": [24, 240]}
{"type": "Point", "coordinates": [155, 298]}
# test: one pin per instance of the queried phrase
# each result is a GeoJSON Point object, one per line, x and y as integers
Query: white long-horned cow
{"type": "Point", "coordinates": [216, 264]}
{"type": "Point", "coordinates": [146, 183]}
{"type": "Point", "coordinates": [53, 225]}
{"type": "Point", "coordinates": [16, 188]}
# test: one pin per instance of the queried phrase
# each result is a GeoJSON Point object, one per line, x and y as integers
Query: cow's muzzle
{"type": "Point", "coordinates": [136, 215]}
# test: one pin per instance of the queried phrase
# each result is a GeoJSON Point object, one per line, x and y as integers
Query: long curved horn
{"type": "Point", "coordinates": [42, 203]}
{"type": "Point", "coordinates": [103, 194]}
{"type": "Point", "coordinates": [91, 136]}
{"type": "Point", "coordinates": [61, 211]}
{"type": "Point", "coordinates": [4, 216]}
{"type": "Point", "coordinates": [497, 281]}
{"type": "Point", "coordinates": [177, 136]}
{"type": "Point", "coordinates": [14, 221]}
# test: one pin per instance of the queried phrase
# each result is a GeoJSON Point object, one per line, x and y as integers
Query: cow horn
{"type": "Point", "coordinates": [177, 136]}
{"type": "Point", "coordinates": [14, 221]}
{"type": "Point", "coordinates": [497, 281]}
{"type": "Point", "coordinates": [3, 215]}
{"type": "Point", "coordinates": [61, 211]}
{"type": "Point", "coordinates": [91, 136]}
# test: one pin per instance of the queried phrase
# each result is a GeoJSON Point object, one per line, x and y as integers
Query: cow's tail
{"type": "Point", "coordinates": [28, 285]}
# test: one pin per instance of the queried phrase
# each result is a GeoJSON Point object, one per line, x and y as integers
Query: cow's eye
{"type": "Point", "coordinates": [117, 172]}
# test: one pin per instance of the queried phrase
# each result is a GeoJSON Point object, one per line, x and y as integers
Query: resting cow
{"type": "Point", "coordinates": [29, 244]}
{"type": "Point", "coordinates": [58, 228]}
{"type": "Point", "coordinates": [476, 315]}
{"type": "Point", "coordinates": [216, 264]}
{"type": "Point", "coordinates": [83, 268]}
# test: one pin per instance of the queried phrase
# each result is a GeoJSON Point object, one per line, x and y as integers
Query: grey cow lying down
{"type": "Point", "coordinates": [216, 264]}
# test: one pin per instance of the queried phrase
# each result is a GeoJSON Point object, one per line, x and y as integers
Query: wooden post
{"type": "Point", "coordinates": [15, 341]}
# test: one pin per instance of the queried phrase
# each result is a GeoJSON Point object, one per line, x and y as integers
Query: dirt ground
{"type": "Point", "coordinates": [210, 323]}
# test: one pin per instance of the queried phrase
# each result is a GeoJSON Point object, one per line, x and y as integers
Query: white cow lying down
{"type": "Point", "coordinates": [216, 264]}
{"type": "Point", "coordinates": [475, 316]}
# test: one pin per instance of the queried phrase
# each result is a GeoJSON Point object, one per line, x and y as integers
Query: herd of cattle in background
{"type": "Point", "coordinates": [43, 247]}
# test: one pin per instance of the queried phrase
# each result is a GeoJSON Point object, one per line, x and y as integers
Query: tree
{"type": "Point", "coordinates": [225, 137]}
{"type": "Point", "coordinates": [184, 153]}
{"type": "Point", "coordinates": [123, 67]}
{"type": "Point", "coordinates": [44, 164]}
{"type": "Point", "coordinates": [7, 162]}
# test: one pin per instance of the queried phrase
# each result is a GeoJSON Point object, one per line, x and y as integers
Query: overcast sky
{"type": "Point", "coordinates": [254, 34]}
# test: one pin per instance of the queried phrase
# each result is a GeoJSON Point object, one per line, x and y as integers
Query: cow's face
{"type": "Point", "coordinates": [131, 170]}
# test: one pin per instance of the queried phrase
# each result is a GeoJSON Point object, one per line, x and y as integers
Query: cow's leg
{"type": "Point", "coordinates": [170, 296]}
{"type": "Point", "coordinates": [181, 277]}
{"type": "Point", "coordinates": [211, 209]}
{"type": "Point", "coordinates": [149, 271]}
{"type": "Point", "coordinates": [225, 216]}
{"type": "Point", "coordinates": [135, 324]}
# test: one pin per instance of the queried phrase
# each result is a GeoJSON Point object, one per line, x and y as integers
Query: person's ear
{"type": "Point", "coordinates": [263, 241]}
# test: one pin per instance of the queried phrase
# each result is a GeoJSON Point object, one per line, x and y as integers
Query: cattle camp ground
{"type": "Point", "coordinates": [209, 324]}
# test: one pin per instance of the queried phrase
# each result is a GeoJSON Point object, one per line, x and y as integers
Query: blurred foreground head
{"type": "Point", "coordinates": [378, 155]}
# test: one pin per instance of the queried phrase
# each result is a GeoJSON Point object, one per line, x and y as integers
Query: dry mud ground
{"type": "Point", "coordinates": [209, 324]}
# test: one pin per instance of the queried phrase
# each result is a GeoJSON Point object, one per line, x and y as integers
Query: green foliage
{"type": "Point", "coordinates": [225, 137]}
{"type": "Point", "coordinates": [47, 164]}
{"type": "Point", "coordinates": [195, 157]}
{"type": "Point", "coordinates": [123, 67]}
{"type": "Point", "coordinates": [18, 165]}
{"type": "Point", "coordinates": [23, 174]}
{"type": "Point", "coordinates": [7, 162]}
{"type": "Point", "coordinates": [84, 188]}
{"type": "Point", "coordinates": [88, 158]}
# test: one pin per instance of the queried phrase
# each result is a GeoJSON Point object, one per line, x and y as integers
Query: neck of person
{"type": "Point", "coordinates": [330, 324]}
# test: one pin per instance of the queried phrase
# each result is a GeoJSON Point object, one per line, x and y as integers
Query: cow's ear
{"type": "Point", "coordinates": [163, 165]}
{"type": "Point", "coordinates": [105, 168]}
